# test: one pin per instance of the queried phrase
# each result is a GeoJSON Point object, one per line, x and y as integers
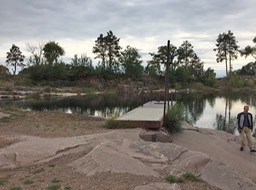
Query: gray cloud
{"type": "Point", "coordinates": [198, 21]}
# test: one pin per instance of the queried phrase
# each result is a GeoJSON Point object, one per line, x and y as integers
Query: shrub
{"type": "Point", "coordinates": [190, 177]}
{"type": "Point", "coordinates": [174, 117]}
{"type": "Point", "coordinates": [174, 179]}
{"type": "Point", "coordinates": [55, 180]}
{"type": "Point", "coordinates": [28, 181]}
{"type": "Point", "coordinates": [186, 176]}
{"type": "Point", "coordinates": [111, 124]}
{"type": "Point", "coordinates": [235, 81]}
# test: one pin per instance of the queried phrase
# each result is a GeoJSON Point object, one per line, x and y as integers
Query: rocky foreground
{"type": "Point", "coordinates": [60, 151]}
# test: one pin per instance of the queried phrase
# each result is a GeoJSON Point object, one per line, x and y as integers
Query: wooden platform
{"type": "Point", "coordinates": [150, 115]}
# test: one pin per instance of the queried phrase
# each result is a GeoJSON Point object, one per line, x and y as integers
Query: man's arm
{"type": "Point", "coordinates": [251, 127]}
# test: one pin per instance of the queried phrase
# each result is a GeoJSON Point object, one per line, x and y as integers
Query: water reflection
{"type": "Point", "coordinates": [92, 105]}
{"type": "Point", "coordinates": [210, 110]}
{"type": "Point", "coordinates": [217, 111]}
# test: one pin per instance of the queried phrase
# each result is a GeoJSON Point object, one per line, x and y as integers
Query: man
{"type": "Point", "coordinates": [245, 127]}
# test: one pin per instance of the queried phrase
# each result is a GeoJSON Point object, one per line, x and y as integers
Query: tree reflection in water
{"type": "Point", "coordinates": [224, 124]}
{"type": "Point", "coordinates": [212, 110]}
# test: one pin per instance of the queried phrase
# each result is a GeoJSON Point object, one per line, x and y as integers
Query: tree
{"type": "Point", "coordinates": [249, 50]}
{"type": "Point", "coordinates": [37, 54]}
{"type": "Point", "coordinates": [248, 69]}
{"type": "Point", "coordinates": [52, 51]}
{"type": "Point", "coordinates": [227, 49]}
{"type": "Point", "coordinates": [186, 53]}
{"type": "Point", "coordinates": [161, 57]}
{"type": "Point", "coordinates": [131, 62]}
{"type": "Point", "coordinates": [15, 58]}
{"type": "Point", "coordinates": [107, 47]}
{"type": "Point", "coordinates": [189, 62]}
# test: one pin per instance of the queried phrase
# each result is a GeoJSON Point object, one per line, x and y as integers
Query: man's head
{"type": "Point", "coordinates": [246, 109]}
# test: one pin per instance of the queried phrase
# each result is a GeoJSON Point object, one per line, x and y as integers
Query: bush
{"type": "Point", "coordinates": [174, 117]}
{"type": "Point", "coordinates": [235, 80]}
{"type": "Point", "coordinates": [174, 179]}
{"type": "Point", "coordinates": [185, 177]}
{"type": "Point", "coordinates": [190, 177]}
{"type": "Point", "coordinates": [111, 124]}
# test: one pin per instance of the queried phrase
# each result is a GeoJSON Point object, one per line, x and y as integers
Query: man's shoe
{"type": "Point", "coordinates": [241, 148]}
{"type": "Point", "coordinates": [252, 150]}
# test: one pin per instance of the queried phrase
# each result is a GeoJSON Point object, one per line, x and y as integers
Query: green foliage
{"type": "Point", "coordinates": [131, 62]}
{"type": "Point", "coordinates": [34, 95]}
{"type": "Point", "coordinates": [227, 49]}
{"type": "Point", "coordinates": [114, 124]}
{"type": "Point", "coordinates": [107, 49]}
{"type": "Point", "coordinates": [15, 188]}
{"type": "Point", "coordinates": [235, 80]}
{"type": "Point", "coordinates": [67, 188]}
{"type": "Point", "coordinates": [80, 67]}
{"type": "Point", "coordinates": [174, 117]}
{"type": "Point", "coordinates": [111, 124]}
{"type": "Point", "coordinates": [174, 179]}
{"type": "Point", "coordinates": [55, 180]}
{"type": "Point", "coordinates": [186, 176]}
{"type": "Point", "coordinates": [2, 181]}
{"type": "Point", "coordinates": [28, 181]}
{"type": "Point", "coordinates": [189, 176]}
{"type": "Point", "coordinates": [54, 187]}
{"type": "Point", "coordinates": [4, 72]}
{"type": "Point", "coordinates": [153, 69]}
{"type": "Point", "coordinates": [248, 70]}
{"type": "Point", "coordinates": [52, 51]}
{"type": "Point", "coordinates": [209, 77]}
{"type": "Point", "coordinates": [249, 50]}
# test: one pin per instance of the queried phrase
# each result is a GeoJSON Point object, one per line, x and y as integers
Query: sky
{"type": "Point", "coordinates": [142, 24]}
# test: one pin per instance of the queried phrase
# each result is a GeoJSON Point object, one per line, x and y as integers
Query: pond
{"type": "Point", "coordinates": [210, 110]}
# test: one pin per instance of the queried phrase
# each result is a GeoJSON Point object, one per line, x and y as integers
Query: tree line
{"type": "Point", "coordinates": [44, 63]}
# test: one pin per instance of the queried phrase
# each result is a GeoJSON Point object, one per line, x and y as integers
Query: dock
{"type": "Point", "coordinates": [149, 115]}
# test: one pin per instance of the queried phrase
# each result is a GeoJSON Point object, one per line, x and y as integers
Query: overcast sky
{"type": "Point", "coordinates": [143, 24]}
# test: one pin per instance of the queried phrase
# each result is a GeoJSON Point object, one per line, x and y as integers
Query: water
{"type": "Point", "coordinates": [212, 110]}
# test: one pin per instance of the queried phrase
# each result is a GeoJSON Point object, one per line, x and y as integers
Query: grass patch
{"type": "Point", "coordinates": [28, 181]}
{"type": "Point", "coordinates": [67, 188]}
{"type": "Point", "coordinates": [2, 181]}
{"type": "Point", "coordinates": [55, 180]}
{"type": "Point", "coordinates": [15, 188]}
{"type": "Point", "coordinates": [34, 95]}
{"type": "Point", "coordinates": [185, 177]}
{"type": "Point", "coordinates": [190, 177]}
{"type": "Point", "coordinates": [114, 124]}
{"type": "Point", "coordinates": [38, 171]}
{"type": "Point", "coordinates": [51, 165]}
{"type": "Point", "coordinates": [174, 179]}
{"type": "Point", "coordinates": [53, 187]}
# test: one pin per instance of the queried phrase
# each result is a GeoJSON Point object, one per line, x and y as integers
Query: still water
{"type": "Point", "coordinates": [211, 110]}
